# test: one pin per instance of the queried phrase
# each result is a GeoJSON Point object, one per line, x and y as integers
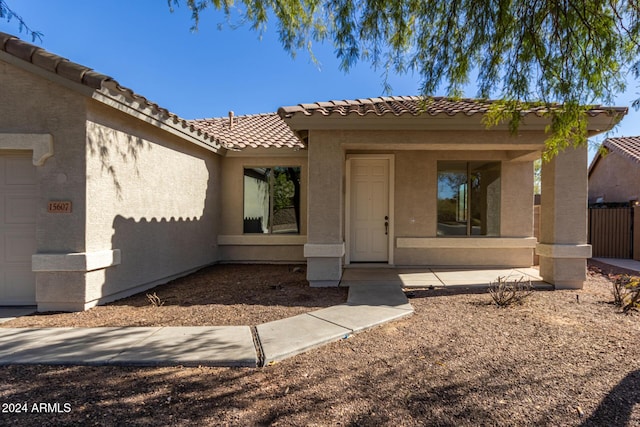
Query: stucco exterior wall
{"type": "Point", "coordinates": [235, 246]}
{"type": "Point", "coordinates": [150, 195]}
{"type": "Point", "coordinates": [145, 203]}
{"type": "Point", "coordinates": [615, 179]}
{"type": "Point", "coordinates": [416, 155]}
{"type": "Point", "coordinates": [415, 201]}
{"type": "Point", "coordinates": [33, 105]}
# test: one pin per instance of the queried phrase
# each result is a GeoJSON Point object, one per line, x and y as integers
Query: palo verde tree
{"type": "Point", "coordinates": [566, 55]}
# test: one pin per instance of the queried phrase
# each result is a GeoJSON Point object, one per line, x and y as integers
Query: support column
{"type": "Point", "coordinates": [563, 247]}
{"type": "Point", "coordinates": [325, 243]}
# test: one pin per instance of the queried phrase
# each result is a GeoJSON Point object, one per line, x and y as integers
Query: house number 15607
{"type": "Point", "coordinates": [59, 207]}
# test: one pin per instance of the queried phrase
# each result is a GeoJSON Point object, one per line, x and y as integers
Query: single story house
{"type": "Point", "coordinates": [104, 194]}
{"type": "Point", "coordinates": [614, 173]}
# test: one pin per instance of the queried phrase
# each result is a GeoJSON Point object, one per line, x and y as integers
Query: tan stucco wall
{"type": "Point", "coordinates": [416, 209]}
{"type": "Point", "coordinates": [614, 178]}
{"type": "Point", "coordinates": [150, 195]}
{"type": "Point", "coordinates": [30, 104]}
{"type": "Point", "coordinates": [244, 247]}
{"type": "Point", "coordinates": [415, 192]}
{"type": "Point", "coordinates": [563, 247]}
{"type": "Point", "coordinates": [145, 204]}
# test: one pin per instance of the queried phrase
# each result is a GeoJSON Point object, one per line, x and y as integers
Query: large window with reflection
{"type": "Point", "coordinates": [468, 198]}
{"type": "Point", "coordinates": [272, 200]}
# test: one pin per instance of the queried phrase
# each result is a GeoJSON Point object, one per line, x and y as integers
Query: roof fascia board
{"type": "Point", "coordinates": [266, 152]}
{"type": "Point", "coordinates": [529, 148]}
{"type": "Point", "coordinates": [122, 105]}
{"type": "Point", "coordinates": [407, 122]}
{"type": "Point", "coordinates": [531, 122]}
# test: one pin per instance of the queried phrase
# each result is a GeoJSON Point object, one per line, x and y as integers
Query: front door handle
{"type": "Point", "coordinates": [386, 225]}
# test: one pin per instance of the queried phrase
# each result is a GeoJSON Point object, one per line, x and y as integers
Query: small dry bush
{"type": "Point", "coordinates": [155, 300]}
{"type": "Point", "coordinates": [626, 292]}
{"type": "Point", "coordinates": [505, 292]}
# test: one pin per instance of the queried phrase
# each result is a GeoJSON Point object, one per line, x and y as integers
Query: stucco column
{"type": "Point", "coordinates": [325, 243]}
{"type": "Point", "coordinates": [563, 247]}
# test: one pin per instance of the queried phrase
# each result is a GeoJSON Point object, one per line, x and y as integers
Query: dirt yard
{"type": "Point", "coordinates": [220, 295]}
{"type": "Point", "coordinates": [564, 358]}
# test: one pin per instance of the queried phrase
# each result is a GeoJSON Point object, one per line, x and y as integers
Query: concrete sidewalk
{"type": "Point", "coordinates": [367, 305]}
{"type": "Point", "coordinates": [630, 265]}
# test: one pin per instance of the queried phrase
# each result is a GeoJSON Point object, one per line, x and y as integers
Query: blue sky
{"type": "Point", "coordinates": [207, 73]}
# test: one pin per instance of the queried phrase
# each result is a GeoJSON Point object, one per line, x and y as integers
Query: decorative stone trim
{"type": "Point", "coordinates": [563, 251]}
{"type": "Point", "coordinates": [466, 243]}
{"type": "Point", "coordinates": [76, 261]}
{"type": "Point", "coordinates": [40, 144]}
{"type": "Point", "coordinates": [261, 240]}
{"type": "Point", "coordinates": [324, 250]}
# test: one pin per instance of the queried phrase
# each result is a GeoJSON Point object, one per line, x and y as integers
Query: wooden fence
{"type": "Point", "coordinates": [611, 232]}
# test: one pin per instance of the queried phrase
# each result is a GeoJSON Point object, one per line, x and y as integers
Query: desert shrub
{"type": "Point", "coordinates": [505, 292]}
{"type": "Point", "coordinates": [155, 300]}
{"type": "Point", "coordinates": [618, 288]}
{"type": "Point", "coordinates": [626, 292]}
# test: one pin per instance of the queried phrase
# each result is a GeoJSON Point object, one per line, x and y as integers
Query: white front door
{"type": "Point", "coordinates": [369, 210]}
{"type": "Point", "coordinates": [18, 199]}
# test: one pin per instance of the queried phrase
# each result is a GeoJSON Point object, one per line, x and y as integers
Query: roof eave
{"type": "Point", "coordinates": [99, 87]}
{"type": "Point", "coordinates": [601, 121]}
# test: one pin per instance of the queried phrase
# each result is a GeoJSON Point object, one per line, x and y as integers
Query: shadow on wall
{"type": "Point", "coordinates": [99, 143]}
{"type": "Point", "coordinates": [154, 251]}
{"type": "Point", "coordinates": [157, 197]}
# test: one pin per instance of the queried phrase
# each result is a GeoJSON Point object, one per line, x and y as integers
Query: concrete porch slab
{"type": "Point", "coordinates": [385, 274]}
{"type": "Point", "coordinates": [437, 277]}
{"type": "Point", "coordinates": [377, 294]}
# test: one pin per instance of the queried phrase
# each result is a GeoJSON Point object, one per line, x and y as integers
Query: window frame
{"type": "Point", "coordinates": [271, 167]}
{"type": "Point", "coordinates": [468, 208]}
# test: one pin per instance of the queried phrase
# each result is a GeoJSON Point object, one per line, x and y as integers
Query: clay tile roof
{"type": "Point", "coordinates": [411, 105]}
{"type": "Point", "coordinates": [258, 130]}
{"type": "Point", "coordinates": [625, 146]}
{"type": "Point", "coordinates": [86, 76]}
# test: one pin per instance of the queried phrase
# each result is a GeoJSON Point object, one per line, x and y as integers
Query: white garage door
{"type": "Point", "coordinates": [18, 193]}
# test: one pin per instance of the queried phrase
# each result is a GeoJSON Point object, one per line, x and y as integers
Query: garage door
{"type": "Point", "coordinates": [18, 193]}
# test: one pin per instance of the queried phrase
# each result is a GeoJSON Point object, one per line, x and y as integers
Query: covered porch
{"type": "Point", "coordinates": [397, 182]}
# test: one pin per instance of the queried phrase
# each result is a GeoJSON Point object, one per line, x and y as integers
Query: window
{"type": "Point", "coordinates": [272, 200]}
{"type": "Point", "coordinates": [468, 198]}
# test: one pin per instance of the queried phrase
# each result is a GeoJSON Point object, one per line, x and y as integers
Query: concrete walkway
{"type": "Point", "coordinates": [367, 305]}
{"type": "Point", "coordinates": [631, 265]}
{"type": "Point", "coordinates": [375, 297]}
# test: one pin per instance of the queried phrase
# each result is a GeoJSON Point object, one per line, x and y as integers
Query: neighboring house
{"type": "Point", "coordinates": [615, 176]}
{"type": "Point", "coordinates": [104, 194]}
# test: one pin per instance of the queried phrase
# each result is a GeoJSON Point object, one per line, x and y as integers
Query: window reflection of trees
{"type": "Point", "coordinates": [468, 198]}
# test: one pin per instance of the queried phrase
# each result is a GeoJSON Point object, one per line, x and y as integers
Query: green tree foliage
{"type": "Point", "coordinates": [9, 15]}
{"type": "Point", "coordinates": [565, 55]}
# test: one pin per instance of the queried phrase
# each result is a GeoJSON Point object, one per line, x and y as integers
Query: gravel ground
{"type": "Point", "coordinates": [221, 295]}
{"type": "Point", "coordinates": [563, 358]}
